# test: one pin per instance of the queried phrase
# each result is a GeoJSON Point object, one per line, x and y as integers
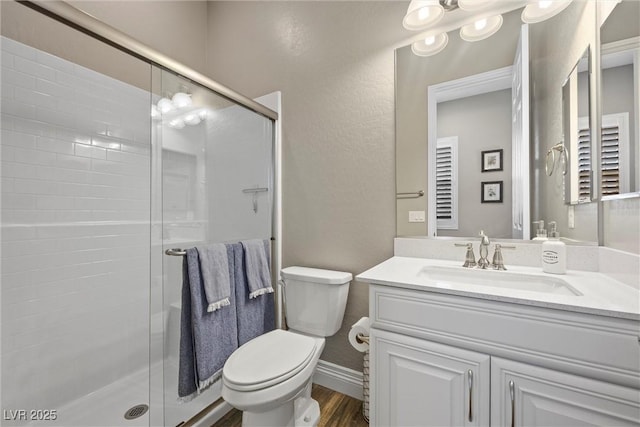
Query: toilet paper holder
{"type": "Point", "coordinates": [360, 338]}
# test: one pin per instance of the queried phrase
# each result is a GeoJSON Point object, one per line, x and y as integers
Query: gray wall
{"type": "Point", "coordinates": [413, 76]}
{"type": "Point", "coordinates": [334, 63]}
{"type": "Point", "coordinates": [158, 24]}
{"type": "Point", "coordinates": [481, 122]}
{"type": "Point", "coordinates": [176, 28]}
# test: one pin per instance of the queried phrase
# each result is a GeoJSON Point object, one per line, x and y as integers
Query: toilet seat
{"type": "Point", "coordinates": [267, 360]}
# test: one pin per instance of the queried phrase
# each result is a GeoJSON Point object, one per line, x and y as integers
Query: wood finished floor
{"type": "Point", "coordinates": [336, 410]}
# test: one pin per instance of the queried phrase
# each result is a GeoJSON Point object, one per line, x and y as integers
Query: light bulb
{"type": "Point", "coordinates": [176, 124]}
{"type": "Point", "coordinates": [181, 100]}
{"type": "Point", "coordinates": [481, 29]}
{"type": "Point", "coordinates": [480, 24]}
{"type": "Point", "coordinates": [430, 45]}
{"type": "Point", "coordinates": [540, 10]}
{"type": "Point", "coordinates": [423, 13]}
{"type": "Point", "coordinates": [203, 114]}
{"type": "Point", "coordinates": [192, 119]}
{"type": "Point", "coordinates": [165, 105]}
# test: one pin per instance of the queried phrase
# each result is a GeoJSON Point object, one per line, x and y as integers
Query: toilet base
{"type": "Point", "coordinates": [303, 411]}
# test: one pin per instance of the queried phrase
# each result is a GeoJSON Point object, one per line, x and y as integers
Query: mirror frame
{"type": "Point", "coordinates": [601, 17]}
{"type": "Point", "coordinates": [597, 125]}
{"type": "Point", "coordinates": [568, 152]}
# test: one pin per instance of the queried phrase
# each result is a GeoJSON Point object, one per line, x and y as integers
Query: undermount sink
{"type": "Point", "coordinates": [446, 276]}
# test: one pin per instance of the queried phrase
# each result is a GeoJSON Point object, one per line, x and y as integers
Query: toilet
{"type": "Point", "coordinates": [269, 378]}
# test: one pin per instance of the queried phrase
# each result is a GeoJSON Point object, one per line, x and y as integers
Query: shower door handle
{"type": "Point", "coordinates": [255, 192]}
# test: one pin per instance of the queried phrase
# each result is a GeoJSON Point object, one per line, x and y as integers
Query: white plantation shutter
{"type": "Point", "coordinates": [610, 160]}
{"type": "Point", "coordinates": [584, 163]}
{"type": "Point", "coordinates": [615, 146]}
{"type": "Point", "coordinates": [447, 183]}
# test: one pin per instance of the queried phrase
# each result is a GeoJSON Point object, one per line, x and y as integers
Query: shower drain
{"type": "Point", "coordinates": [135, 412]}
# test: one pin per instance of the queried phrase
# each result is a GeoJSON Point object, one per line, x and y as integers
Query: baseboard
{"type": "Point", "coordinates": [338, 378]}
{"type": "Point", "coordinates": [214, 416]}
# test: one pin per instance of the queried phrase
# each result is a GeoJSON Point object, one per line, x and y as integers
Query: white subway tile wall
{"type": "Point", "coordinates": [75, 229]}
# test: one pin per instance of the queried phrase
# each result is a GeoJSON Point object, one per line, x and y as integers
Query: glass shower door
{"type": "Point", "coordinates": [216, 164]}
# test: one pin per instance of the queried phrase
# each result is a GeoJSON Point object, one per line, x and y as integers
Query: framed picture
{"type": "Point", "coordinates": [491, 192]}
{"type": "Point", "coordinates": [492, 160]}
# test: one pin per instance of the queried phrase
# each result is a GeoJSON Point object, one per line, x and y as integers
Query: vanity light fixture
{"type": "Point", "coordinates": [425, 14]}
{"type": "Point", "coordinates": [422, 13]}
{"type": "Point", "coordinates": [178, 101]}
{"type": "Point", "coordinates": [430, 45]}
{"type": "Point", "coordinates": [178, 111]}
{"type": "Point", "coordinates": [481, 28]}
{"type": "Point", "coordinates": [181, 100]}
{"type": "Point", "coordinates": [165, 106]}
{"type": "Point", "coordinates": [539, 10]}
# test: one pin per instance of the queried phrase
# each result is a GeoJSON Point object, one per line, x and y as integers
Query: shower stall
{"type": "Point", "coordinates": [112, 156]}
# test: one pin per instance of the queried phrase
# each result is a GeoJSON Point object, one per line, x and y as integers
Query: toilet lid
{"type": "Point", "coordinates": [268, 359]}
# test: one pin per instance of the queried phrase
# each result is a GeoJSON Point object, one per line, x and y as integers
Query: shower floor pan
{"type": "Point", "coordinates": [107, 406]}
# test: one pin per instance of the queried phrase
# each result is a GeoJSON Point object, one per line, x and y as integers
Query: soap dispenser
{"type": "Point", "coordinates": [554, 252]}
{"type": "Point", "coordinates": [541, 233]}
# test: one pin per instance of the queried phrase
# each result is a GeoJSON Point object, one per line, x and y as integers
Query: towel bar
{"type": "Point", "coordinates": [183, 252]}
{"type": "Point", "coordinates": [255, 190]}
{"type": "Point", "coordinates": [176, 252]}
{"type": "Point", "coordinates": [411, 195]}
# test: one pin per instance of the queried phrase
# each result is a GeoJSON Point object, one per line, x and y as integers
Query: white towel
{"type": "Point", "coordinates": [214, 267]}
{"type": "Point", "coordinates": [256, 268]}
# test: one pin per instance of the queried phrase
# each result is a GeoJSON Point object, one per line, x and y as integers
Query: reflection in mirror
{"type": "Point", "coordinates": [470, 144]}
{"type": "Point", "coordinates": [573, 158]}
{"type": "Point", "coordinates": [620, 75]}
{"type": "Point", "coordinates": [431, 105]}
{"type": "Point", "coordinates": [556, 46]}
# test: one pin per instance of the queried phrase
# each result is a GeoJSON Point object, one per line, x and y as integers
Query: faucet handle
{"type": "Point", "coordinates": [498, 261]}
{"type": "Point", "coordinates": [469, 258]}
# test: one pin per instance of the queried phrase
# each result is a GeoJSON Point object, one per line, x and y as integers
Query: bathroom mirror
{"type": "Point", "coordinates": [461, 98]}
{"type": "Point", "coordinates": [550, 63]}
{"type": "Point", "coordinates": [572, 157]}
{"type": "Point", "coordinates": [620, 90]}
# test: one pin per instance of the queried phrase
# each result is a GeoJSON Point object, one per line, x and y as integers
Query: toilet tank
{"type": "Point", "coordinates": [315, 299]}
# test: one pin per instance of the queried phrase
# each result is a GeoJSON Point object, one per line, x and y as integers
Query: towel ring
{"type": "Point", "coordinates": [549, 167]}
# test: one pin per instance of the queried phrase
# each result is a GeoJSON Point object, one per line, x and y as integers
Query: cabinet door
{"type": "Point", "coordinates": [420, 383]}
{"type": "Point", "coordinates": [526, 395]}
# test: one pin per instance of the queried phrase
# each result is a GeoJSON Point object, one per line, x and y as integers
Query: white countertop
{"type": "Point", "coordinates": [601, 295]}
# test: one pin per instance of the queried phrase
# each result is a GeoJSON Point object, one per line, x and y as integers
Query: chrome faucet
{"type": "Point", "coordinates": [470, 258]}
{"type": "Point", "coordinates": [498, 261]}
{"type": "Point", "coordinates": [483, 262]}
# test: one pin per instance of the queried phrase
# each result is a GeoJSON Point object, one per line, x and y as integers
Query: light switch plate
{"type": "Point", "coordinates": [416, 216]}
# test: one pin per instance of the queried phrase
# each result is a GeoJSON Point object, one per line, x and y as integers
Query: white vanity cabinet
{"type": "Point", "coordinates": [562, 368]}
{"type": "Point", "coordinates": [422, 383]}
{"type": "Point", "coordinates": [525, 395]}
